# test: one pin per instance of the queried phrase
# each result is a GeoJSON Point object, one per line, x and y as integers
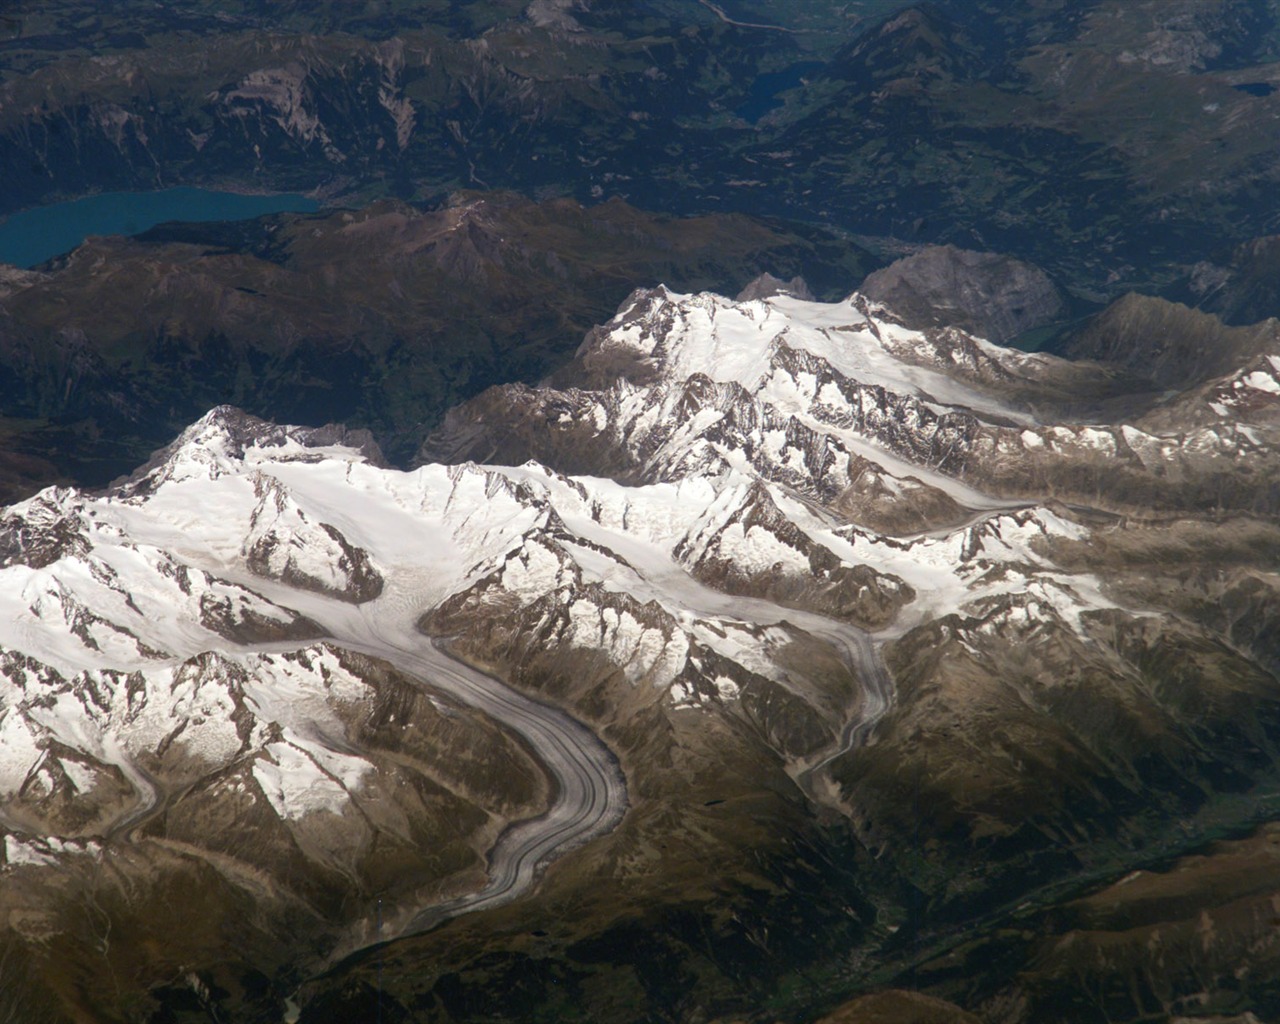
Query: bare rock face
{"type": "Point", "coordinates": [1172, 345]}
{"type": "Point", "coordinates": [753, 549]}
{"type": "Point", "coordinates": [893, 506]}
{"type": "Point", "coordinates": [45, 533]}
{"type": "Point", "coordinates": [766, 285]}
{"type": "Point", "coordinates": [1241, 287]}
{"type": "Point", "coordinates": [993, 296]}
{"type": "Point", "coordinates": [897, 1006]}
{"type": "Point", "coordinates": [232, 614]}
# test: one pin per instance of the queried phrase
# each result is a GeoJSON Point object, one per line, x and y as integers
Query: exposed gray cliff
{"type": "Point", "coordinates": [993, 296]}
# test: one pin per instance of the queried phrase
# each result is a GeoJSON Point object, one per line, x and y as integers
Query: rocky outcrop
{"type": "Point", "coordinates": [766, 285]}
{"type": "Point", "coordinates": [749, 547]}
{"type": "Point", "coordinates": [1240, 287]}
{"type": "Point", "coordinates": [284, 544]}
{"type": "Point", "coordinates": [898, 1006]}
{"type": "Point", "coordinates": [43, 532]}
{"type": "Point", "coordinates": [993, 296]}
{"type": "Point", "coordinates": [1167, 343]}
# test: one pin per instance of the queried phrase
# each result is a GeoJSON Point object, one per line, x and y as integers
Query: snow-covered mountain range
{"type": "Point", "coordinates": [790, 540]}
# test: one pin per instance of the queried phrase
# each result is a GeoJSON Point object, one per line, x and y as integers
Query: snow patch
{"type": "Point", "coordinates": [295, 785]}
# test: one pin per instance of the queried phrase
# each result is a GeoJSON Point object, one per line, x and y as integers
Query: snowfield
{"type": "Point", "coordinates": [190, 620]}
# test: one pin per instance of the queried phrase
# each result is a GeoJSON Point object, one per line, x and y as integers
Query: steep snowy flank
{"type": "Point", "coordinates": [676, 336]}
{"type": "Point", "coordinates": [768, 552]}
{"type": "Point", "coordinates": [901, 430]}
{"type": "Point", "coordinates": [181, 721]}
{"type": "Point", "coordinates": [803, 458]}
{"type": "Point", "coordinates": [283, 544]}
{"type": "Point", "coordinates": [113, 602]}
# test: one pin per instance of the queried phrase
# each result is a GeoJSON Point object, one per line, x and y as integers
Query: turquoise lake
{"type": "Point", "coordinates": [33, 236]}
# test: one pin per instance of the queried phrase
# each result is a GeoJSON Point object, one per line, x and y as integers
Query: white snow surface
{"type": "Point", "coordinates": [735, 341]}
{"type": "Point", "coordinates": [121, 665]}
{"type": "Point", "coordinates": [295, 783]}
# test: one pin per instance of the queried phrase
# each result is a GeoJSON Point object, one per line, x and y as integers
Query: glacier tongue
{"type": "Point", "coordinates": [116, 598]}
{"type": "Point", "coordinates": [719, 531]}
{"type": "Point", "coordinates": [775, 553]}
{"type": "Point", "coordinates": [740, 435]}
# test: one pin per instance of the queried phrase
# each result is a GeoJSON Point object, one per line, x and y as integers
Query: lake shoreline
{"type": "Point", "coordinates": [37, 234]}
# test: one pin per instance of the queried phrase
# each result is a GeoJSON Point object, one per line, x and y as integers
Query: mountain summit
{"type": "Point", "coordinates": [764, 595]}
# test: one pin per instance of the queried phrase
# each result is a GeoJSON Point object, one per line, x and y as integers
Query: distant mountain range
{"type": "Point", "coordinates": [1059, 134]}
{"type": "Point", "coordinates": [380, 318]}
{"type": "Point", "coordinates": [1114, 143]}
